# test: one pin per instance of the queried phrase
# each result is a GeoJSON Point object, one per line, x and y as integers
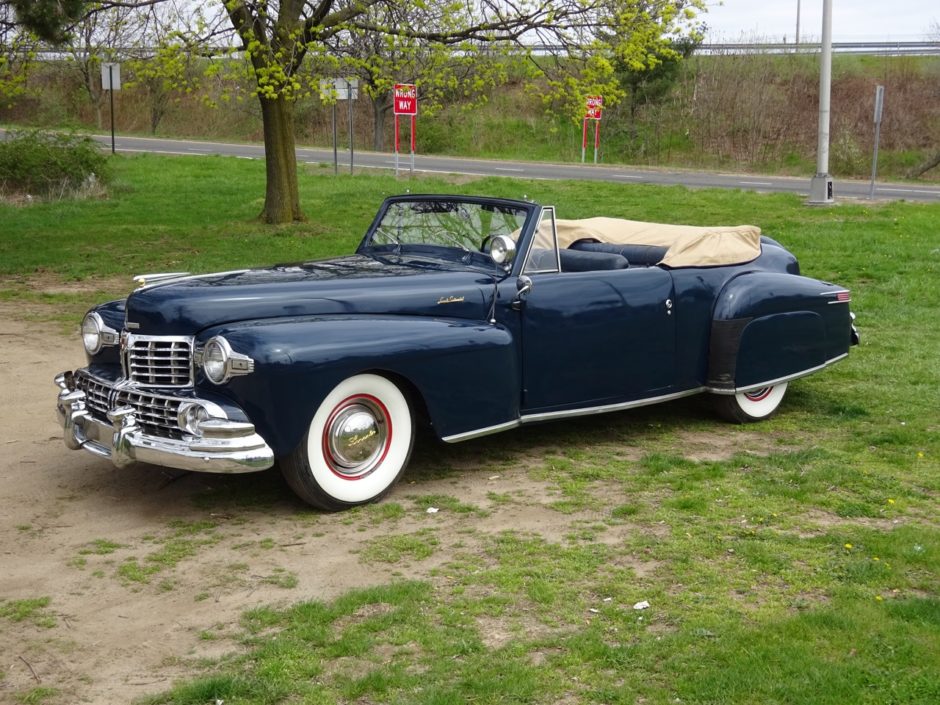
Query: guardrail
{"type": "Point", "coordinates": [923, 48]}
{"type": "Point", "coordinates": [883, 48]}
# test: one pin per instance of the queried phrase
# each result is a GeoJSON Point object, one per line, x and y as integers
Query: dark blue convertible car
{"type": "Point", "coordinates": [474, 314]}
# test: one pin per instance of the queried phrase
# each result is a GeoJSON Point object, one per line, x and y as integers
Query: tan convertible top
{"type": "Point", "coordinates": [689, 245]}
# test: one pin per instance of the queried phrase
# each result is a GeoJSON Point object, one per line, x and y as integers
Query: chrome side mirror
{"type": "Point", "coordinates": [502, 249]}
{"type": "Point", "coordinates": [523, 287]}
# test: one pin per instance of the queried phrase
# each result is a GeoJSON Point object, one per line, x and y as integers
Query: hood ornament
{"type": "Point", "coordinates": [145, 279]}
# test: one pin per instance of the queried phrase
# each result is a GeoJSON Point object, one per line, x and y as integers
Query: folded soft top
{"type": "Point", "coordinates": [688, 245]}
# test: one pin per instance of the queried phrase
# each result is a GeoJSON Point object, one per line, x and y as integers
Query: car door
{"type": "Point", "coordinates": [597, 337]}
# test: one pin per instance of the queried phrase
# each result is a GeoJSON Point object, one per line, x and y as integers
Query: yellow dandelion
{"type": "Point", "coordinates": [890, 501]}
{"type": "Point", "coordinates": [879, 598]}
{"type": "Point", "coordinates": [848, 546]}
{"type": "Point", "coordinates": [875, 558]}
{"type": "Point", "coordinates": [920, 454]}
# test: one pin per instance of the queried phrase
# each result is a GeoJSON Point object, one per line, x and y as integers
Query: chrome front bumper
{"type": "Point", "coordinates": [225, 446]}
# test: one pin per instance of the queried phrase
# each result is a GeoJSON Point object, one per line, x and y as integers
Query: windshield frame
{"type": "Point", "coordinates": [477, 260]}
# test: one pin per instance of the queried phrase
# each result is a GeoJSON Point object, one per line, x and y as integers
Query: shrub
{"type": "Point", "coordinates": [49, 164]}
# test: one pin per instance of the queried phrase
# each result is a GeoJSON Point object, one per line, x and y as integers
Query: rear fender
{"type": "Point", "coordinates": [466, 372]}
{"type": "Point", "coordinates": [771, 327]}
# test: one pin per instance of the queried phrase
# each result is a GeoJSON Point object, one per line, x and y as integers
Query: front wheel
{"type": "Point", "coordinates": [356, 447]}
{"type": "Point", "coordinates": [748, 407]}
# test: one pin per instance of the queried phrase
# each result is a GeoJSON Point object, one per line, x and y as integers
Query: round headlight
{"type": "Point", "coordinates": [214, 359]}
{"type": "Point", "coordinates": [502, 249]}
{"type": "Point", "coordinates": [91, 333]}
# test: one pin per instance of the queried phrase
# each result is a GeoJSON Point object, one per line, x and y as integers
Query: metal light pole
{"type": "Point", "coordinates": [820, 188]}
{"type": "Point", "coordinates": [797, 42]}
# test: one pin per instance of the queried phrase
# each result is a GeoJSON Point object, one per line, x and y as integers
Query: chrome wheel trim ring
{"type": "Point", "coordinates": [759, 394]}
{"type": "Point", "coordinates": [357, 436]}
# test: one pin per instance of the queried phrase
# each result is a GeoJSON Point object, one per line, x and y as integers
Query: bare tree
{"type": "Point", "coordinates": [277, 39]}
{"type": "Point", "coordinates": [16, 51]}
{"type": "Point", "coordinates": [933, 161]}
{"type": "Point", "coordinates": [276, 36]}
{"type": "Point", "coordinates": [97, 38]}
{"type": "Point", "coordinates": [164, 62]}
{"type": "Point", "coordinates": [440, 72]}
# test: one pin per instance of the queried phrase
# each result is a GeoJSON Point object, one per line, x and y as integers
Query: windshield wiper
{"type": "Point", "coordinates": [383, 233]}
{"type": "Point", "coordinates": [457, 242]}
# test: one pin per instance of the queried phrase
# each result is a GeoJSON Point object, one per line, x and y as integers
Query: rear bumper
{"type": "Point", "coordinates": [225, 446]}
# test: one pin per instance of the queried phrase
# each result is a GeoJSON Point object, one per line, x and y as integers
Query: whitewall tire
{"type": "Point", "coordinates": [748, 407]}
{"type": "Point", "coordinates": [356, 446]}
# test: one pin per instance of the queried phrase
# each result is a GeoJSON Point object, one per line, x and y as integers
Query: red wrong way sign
{"type": "Point", "coordinates": [594, 107]}
{"type": "Point", "coordinates": [406, 99]}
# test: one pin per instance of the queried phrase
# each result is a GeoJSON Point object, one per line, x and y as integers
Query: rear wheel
{"type": "Point", "coordinates": [748, 407]}
{"type": "Point", "coordinates": [356, 447]}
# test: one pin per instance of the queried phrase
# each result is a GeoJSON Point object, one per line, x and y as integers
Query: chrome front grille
{"type": "Point", "coordinates": [155, 414]}
{"type": "Point", "coordinates": [159, 361]}
{"type": "Point", "coordinates": [96, 395]}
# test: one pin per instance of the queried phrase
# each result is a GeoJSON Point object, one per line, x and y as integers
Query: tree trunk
{"type": "Point", "coordinates": [282, 197]}
{"type": "Point", "coordinates": [922, 169]}
{"type": "Point", "coordinates": [378, 124]}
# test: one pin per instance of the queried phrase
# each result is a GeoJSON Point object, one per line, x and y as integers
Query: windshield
{"type": "Point", "coordinates": [427, 226]}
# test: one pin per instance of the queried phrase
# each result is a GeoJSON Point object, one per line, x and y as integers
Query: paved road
{"type": "Point", "coordinates": [538, 170]}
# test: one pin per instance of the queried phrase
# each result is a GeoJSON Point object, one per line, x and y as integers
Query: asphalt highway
{"type": "Point", "coordinates": [855, 190]}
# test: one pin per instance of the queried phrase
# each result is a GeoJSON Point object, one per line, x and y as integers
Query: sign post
{"type": "Point", "coordinates": [879, 108]}
{"type": "Point", "coordinates": [341, 89]}
{"type": "Point", "coordinates": [593, 109]}
{"type": "Point", "coordinates": [111, 81]}
{"type": "Point", "coordinates": [405, 102]}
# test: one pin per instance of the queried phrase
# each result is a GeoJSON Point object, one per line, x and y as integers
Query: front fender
{"type": "Point", "coordinates": [466, 372]}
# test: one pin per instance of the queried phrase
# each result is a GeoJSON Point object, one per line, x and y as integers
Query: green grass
{"type": "Point", "coordinates": [397, 548]}
{"type": "Point", "coordinates": [31, 610]}
{"type": "Point", "coordinates": [37, 695]}
{"type": "Point", "coordinates": [794, 561]}
{"type": "Point", "coordinates": [100, 547]}
{"type": "Point", "coordinates": [181, 540]}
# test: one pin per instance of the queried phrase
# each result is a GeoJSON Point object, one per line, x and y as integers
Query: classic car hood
{"type": "Point", "coordinates": [348, 285]}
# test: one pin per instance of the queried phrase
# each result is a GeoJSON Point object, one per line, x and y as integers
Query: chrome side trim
{"type": "Point", "coordinates": [607, 408]}
{"type": "Point", "coordinates": [569, 413]}
{"type": "Point", "coordinates": [779, 380]}
{"type": "Point", "coordinates": [622, 406]}
{"type": "Point", "coordinates": [486, 431]}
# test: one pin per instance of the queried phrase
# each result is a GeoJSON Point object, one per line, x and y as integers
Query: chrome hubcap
{"type": "Point", "coordinates": [356, 438]}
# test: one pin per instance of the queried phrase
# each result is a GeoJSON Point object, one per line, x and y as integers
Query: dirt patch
{"type": "Point", "coordinates": [723, 443]}
{"type": "Point", "coordinates": [53, 284]}
{"type": "Point", "coordinates": [148, 570]}
{"type": "Point", "coordinates": [827, 520]}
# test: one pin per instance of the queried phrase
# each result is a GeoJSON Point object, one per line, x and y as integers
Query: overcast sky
{"type": "Point", "coordinates": [852, 20]}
